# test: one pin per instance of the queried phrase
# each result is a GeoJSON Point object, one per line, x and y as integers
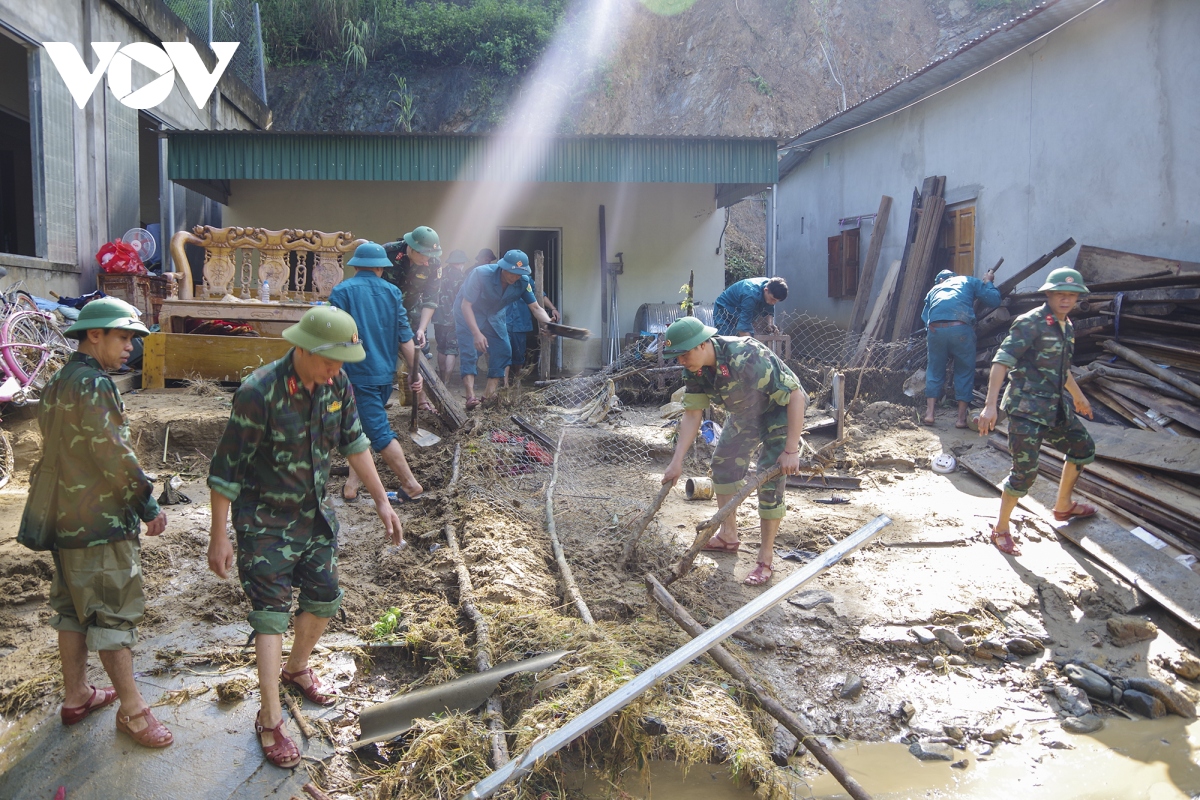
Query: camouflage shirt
{"type": "Point", "coordinates": [449, 282]}
{"type": "Point", "coordinates": [273, 460]}
{"type": "Point", "coordinates": [746, 377]}
{"type": "Point", "coordinates": [103, 494]}
{"type": "Point", "coordinates": [1037, 352]}
{"type": "Point", "coordinates": [418, 285]}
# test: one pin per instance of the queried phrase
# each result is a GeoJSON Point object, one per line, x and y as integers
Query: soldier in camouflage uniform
{"type": "Point", "coordinates": [765, 403]}
{"type": "Point", "coordinates": [103, 498]}
{"type": "Point", "coordinates": [272, 466]}
{"type": "Point", "coordinates": [1036, 357]}
{"type": "Point", "coordinates": [416, 273]}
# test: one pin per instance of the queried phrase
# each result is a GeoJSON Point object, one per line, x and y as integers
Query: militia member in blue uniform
{"type": "Point", "coordinates": [103, 498]}
{"type": "Point", "coordinates": [743, 302]}
{"type": "Point", "coordinates": [271, 467]}
{"type": "Point", "coordinates": [1036, 358]}
{"type": "Point", "coordinates": [766, 405]}
{"type": "Point", "coordinates": [949, 316]}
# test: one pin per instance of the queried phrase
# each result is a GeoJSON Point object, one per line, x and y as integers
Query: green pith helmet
{"type": "Point", "coordinates": [327, 331]}
{"type": "Point", "coordinates": [457, 257]}
{"type": "Point", "coordinates": [684, 334]}
{"type": "Point", "coordinates": [108, 313]}
{"type": "Point", "coordinates": [369, 255]}
{"type": "Point", "coordinates": [424, 240]}
{"type": "Point", "coordinates": [1064, 279]}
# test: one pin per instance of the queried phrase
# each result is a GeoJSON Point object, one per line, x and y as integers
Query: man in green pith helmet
{"type": "Point", "coordinates": [1036, 358]}
{"type": "Point", "coordinates": [415, 272]}
{"type": "Point", "coordinates": [102, 500]}
{"type": "Point", "coordinates": [765, 403]}
{"type": "Point", "coordinates": [271, 467]}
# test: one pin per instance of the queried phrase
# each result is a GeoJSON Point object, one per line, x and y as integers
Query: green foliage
{"type": "Point", "coordinates": [501, 35]}
{"type": "Point", "coordinates": [760, 84]}
{"type": "Point", "coordinates": [386, 625]}
{"type": "Point", "coordinates": [740, 265]}
{"type": "Point", "coordinates": [403, 101]}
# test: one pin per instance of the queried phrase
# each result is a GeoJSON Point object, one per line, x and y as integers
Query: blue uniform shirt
{"type": "Point", "coordinates": [378, 309]}
{"type": "Point", "coordinates": [954, 299]}
{"type": "Point", "coordinates": [488, 296]}
{"type": "Point", "coordinates": [519, 317]}
{"type": "Point", "coordinates": [739, 305]}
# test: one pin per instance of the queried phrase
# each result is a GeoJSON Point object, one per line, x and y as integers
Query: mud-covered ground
{"type": "Point", "coordinates": [864, 621]}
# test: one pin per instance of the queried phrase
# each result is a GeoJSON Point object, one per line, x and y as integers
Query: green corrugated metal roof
{"type": "Point", "coordinates": [238, 155]}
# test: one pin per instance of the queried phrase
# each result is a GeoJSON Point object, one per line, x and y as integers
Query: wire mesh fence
{"type": "Point", "coordinates": [229, 21]}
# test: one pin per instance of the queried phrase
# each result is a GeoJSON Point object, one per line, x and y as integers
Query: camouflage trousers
{"type": "Point", "coordinates": [1025, 438]}
{"type": "Point", "coordinates": [270, 566]}
{"type": "Point", "coordinates": [731, 459]}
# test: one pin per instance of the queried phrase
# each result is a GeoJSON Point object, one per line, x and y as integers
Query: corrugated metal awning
{"type": "Point", "coordinates": [239, 155]}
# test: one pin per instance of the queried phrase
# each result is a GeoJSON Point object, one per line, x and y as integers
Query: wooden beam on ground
{"type": "Point", "coordinates": [1012, 282]}
{"type": "Point", "coordinates": [1099, 265]}
{"type": "Point", "coordinates": [823, 482]}
{"type": "Point", "coordinates": [180, 356]}
{"type": "Point", "coordinates": [762, 692]}
{"type": "Point", "coordinates": [866, 278]}
{"type": "Point", "coordinates": [1149, 366]}
{"type": "Point", "coordinates": [1153, 450]}
{"type": "Point", "coordinates": [879, 310]}
{"type": "Point", "coordinates": [1179, 410]}
{"type": "Point", "coordinates": [1175, 587]}
{"type": "Point", "coordinates": [448, 408]}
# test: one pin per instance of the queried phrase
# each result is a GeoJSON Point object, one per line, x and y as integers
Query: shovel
{"type": "Point", "coordinates": [568, 331]}
{"type": "Point", "coordinates": [422, 437]}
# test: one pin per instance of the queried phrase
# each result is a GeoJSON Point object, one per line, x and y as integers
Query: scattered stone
{"type": "Point", "coordinates": [956, 661]}
{"type": "Point", "coordinates": [931, 752]}
{"type": "Point", "coordinates": [994, 735]}
{"type": "Point", "coordinates": [985, 750]}
{"type": "Point", "coordinates": [1073, 700]}
{"type": "Point", "coordinates": [784, 746]}
{"type": "Point", "coordinates": [810, 599]}
{"type": "Point", "coordinates": [906, 711]}
{"type": "Point", "coordinates": [990, 648]}
{"type": "Point", "coordinates": [1141, 703]}
{"type": "Point", "coordinates": [1185, 665]}
{"type": "Point", "coordinates": [655, 726]}
{"type": "Point", "coordinates": [951, 639]}
{"type": "Point", "coordinates": [959, 764]}
{"type": "Point", "coordinates": [969, 629]}
{"type": "Point", "coordinates": [1057, 744]}
{"type": "Point", "coordinates": [938, 663]}
{"type": "Point", "coordinates": [924, 635]}
{"type": "Point", "coordinates": [1089, 681]}
{"type": "Point", "coordinates": [852, 687]}
{"type": "Point", "coordinates": [1124, 631]}
{"type": "Point", "coordinates": [1174, 700]}
{"type": "Point", "coordinates": [954, 732]}
{"type": "Point", "coordinates": [1088, 723]}
{"type": "Point", "coordinates": [923, 661]}
{"type": "Point", "coordinates": [1020, 646]}
{"type": "Point", "coordinates": [1118, 693]}
{"type": "Point", "coordinates": [1099, 670]}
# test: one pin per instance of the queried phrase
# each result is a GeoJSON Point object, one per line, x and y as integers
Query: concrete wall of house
{"type": "Point", "coordinates": [87, 178]}
{"type": "Point", "coordinates": [1088, 133]}
{"type": "Point", "coordinates": [664, 230]}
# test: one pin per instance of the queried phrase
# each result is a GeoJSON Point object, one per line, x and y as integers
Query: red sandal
{"type": "Point", "coordinates": [1076, 510]}
{"type": "Point", "coordinates": [762, 573]}
{"type": "Point", "coordinates": [718, 545]}
{"type": "Point", "coordinates": [312, 691]}
{"type": "Point", "coordinates": [155, 734]}
{"type": "Point", "coordinates": [1004, 542]}
{"type": "Point", "coordinates": [283, 753]}
{"type": "Point", "coordinates": [101, 697]}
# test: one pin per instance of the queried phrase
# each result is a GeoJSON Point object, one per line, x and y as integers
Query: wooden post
{"type": "Point", "coordinates": [640, 527]}
{"type": "Point", "coordinates": [839, 403]}
{"type": "Point", "coordinates": [539, 288]}
{"type": "Point", "coordinates": [1011, 283]}
{"type": "Point", "coordinates": [572, 588]}
{"type": "Point", "coordinates": [866, 279]}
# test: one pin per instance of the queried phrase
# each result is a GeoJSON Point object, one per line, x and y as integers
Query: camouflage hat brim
{"type": "Point", "coordinates": [346, 352]}
{"type": "Point", "coordinates": [677, 348]}
{"type": "Point", "coordinates": [81, 327]}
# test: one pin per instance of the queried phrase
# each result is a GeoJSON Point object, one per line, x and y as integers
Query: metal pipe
{"type": "Point", "coordinates": [262, 55]}
{"type": "Point", "coordinates": [626, 694]}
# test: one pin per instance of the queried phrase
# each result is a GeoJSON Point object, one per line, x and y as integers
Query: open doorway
{"type": "Point", "coordinates": [16, 153]}
{"type": "Point", "coordinates": [549, 242]}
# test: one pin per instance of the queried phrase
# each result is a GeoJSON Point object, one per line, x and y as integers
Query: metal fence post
{"type": "Point", "coordinates": [262, 54]}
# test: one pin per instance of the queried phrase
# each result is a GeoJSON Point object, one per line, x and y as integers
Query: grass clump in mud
{"type": "Point", "coordinates": [28, 694]}
{"type": "Point", "coordinates": [444, 757]}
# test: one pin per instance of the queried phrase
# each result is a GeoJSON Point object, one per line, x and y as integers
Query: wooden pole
{"type": "Point", "coordinates": [1137, 359]}
{"type": "Point", "coordinates": [643, 521]}
{"type": "Point", "coordinates": [839, 403]}
{"type": "Point", "coordinates": [866, 280]}
{"type": "Point", "coordinates": [762, 692]}
{"type": "Point", "coordinates": [572, 588]}
{"type": "Point", "coordinates": [1012, 282]}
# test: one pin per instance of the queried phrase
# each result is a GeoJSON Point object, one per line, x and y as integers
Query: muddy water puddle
{"type": "Point", "coordinates": [1127, 760]}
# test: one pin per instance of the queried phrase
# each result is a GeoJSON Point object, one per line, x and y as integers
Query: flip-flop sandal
{"type": "Point", "coordinates": [718, 545]}
{"type": "Point", "coordinates": [155, 734]}
{"type": "Point", "coordinates": [312, 691]}
{"type": "Point", "coordinates": [1076, 510]}
{"type": "Point", "coordinates": [348, 499]}
{"type": "Point", "coordinates": [427, 406]}
{"type": "Point", "coordinates": [399, 497]}
{"type": "Point", "coordinates": [1004, 542]}
{"type": "Point", "coordinates": [72, 714]}
{"type": "Point", "coordinates": [761, 574]}
{"type": "Point", "coordinates": [472, 402]}
{"type": "Point", "coordinates": [283, 753]}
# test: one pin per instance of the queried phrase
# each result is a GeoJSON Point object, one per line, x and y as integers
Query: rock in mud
{"type": "Point", "coordinates": [1141, 703]}
{"type": "Point", "coordinates": [1185, 665]}
{"type": "Point", "coordinates": [1073, 700]}
{"type": "Point", "coordinates": [1124, 631]}
{"type": "Point", "coordinates": [1020, 646]}
{"type": "Point", "coordinates": [811, 599]}
{"type": "Point", "coordinates": [938, 663]}
{"type": "Point", "coordinates": [956, 661]}
{"type": "Point", "coordinates": [960, 764]}
{"type": "Point", "coordinates": [1174, 700]}
{"type": "Point", "coordinates": [655, 726]}
{"type": "Point", "coordinates": [924, 636]}
{"type": "Point", "coordinates": [1089, 681]}
{"type": "Point", "coordinates": [951, 639]}
{"type": "Point", "coordinates": [931, 752]}
{"type": "Point", "coordinates": [852, 687]}
{"type": "Point", "coordinates": [784, 745]}
{"type": "Point", "coordinates": [954, 732]}
{"type": "Point", "coordinates": [1088, 723]}
{"type": "Point", "coordinates": [994, 735]}
{"type": "Point", "coordinates": [906, 711]}
{"type": "Point", "coordinates": [990, 648]}
{"type": "Point", "coordinates": [985, 750]}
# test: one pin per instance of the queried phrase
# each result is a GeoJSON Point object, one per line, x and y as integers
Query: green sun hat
{"type": "Point", "coordinates": [108, 313]}
{"type": "Point", "coordinates": [370, 255]}
{"type": "Point", "coordinates": [686, 333]}
{"type": "Point", "coordinates": [327, 331]}
{"type": "Point", "coordinates": [1064, 279]}
{"type": "Point", "coordinates": [424, 240]}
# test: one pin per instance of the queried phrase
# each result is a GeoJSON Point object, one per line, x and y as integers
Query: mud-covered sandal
{"type": "Point", "coordinates": [312, 691]}
{"type": "Point", "coordinates": [761, 574]}
{"type": "Point", "coordinates": [155, 734]}
{"type": "Point", "coordinates": [718, 545]}
{"type": "Point", "coordinates": [98, 700]}
{"type": "Point", "coordinates": [283, 753]}
{"type": "Point", "coordinates": [1076, 510]}
{"type": "Point", "coordinates": [1004, 542]}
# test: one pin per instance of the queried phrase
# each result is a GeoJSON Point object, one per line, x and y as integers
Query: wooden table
{"type": "Point", "coordinates": [269, 319]}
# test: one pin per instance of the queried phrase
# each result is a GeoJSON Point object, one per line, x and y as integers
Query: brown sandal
{"type": "Point", "coordinates": [283, 753]}
{"type": "Point", "coordinates": [718, 545]}
{"type": "Point", "coordinates": [99, 699]}
{"type": "Point", "coordinates": [761, 574]}
{"type": "Point", "coordinates": [1076, 510]}
{"type": "Point", "coordinates": [155, 734]}
{"type": "Point", "coordinates": [312, 691]}
{"type": "Point", "coordinates": [1004, 542]}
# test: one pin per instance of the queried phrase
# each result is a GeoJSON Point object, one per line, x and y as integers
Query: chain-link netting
{"type": "Point", "coordinates": [229, 21]}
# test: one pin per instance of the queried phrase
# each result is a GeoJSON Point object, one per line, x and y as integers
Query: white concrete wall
{"type": "Point", "coordinates": [1090, 133]}
{"type": "Point", "coordinates": [664, 230]}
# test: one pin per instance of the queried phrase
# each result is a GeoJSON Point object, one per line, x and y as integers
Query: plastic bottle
{"type": "Point", "coordinates": [264, 292]}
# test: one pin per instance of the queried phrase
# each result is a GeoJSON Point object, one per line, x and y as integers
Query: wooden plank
{"type": "Point", "coordinates": [450, 410]}
{"type": "Point", "coordinates": [1099, 265]}
{"type": "Point", "coordinates": [823, 482]}
{"type": "Point", "coordinates": [917, 279]}
{"type": "Point", "coordinates": [178, 356]}
{"type": "Point", "coordinates": [173, 312]}
{"type": "Point", "coordinates": [1013, 281]}
{"type": "Point", "coordinates": [1135, 358]}
{"type": "Point", "coordinates": [1171, 325]}
{"type": "Point", "coordinates": [1178, 410]}
{"type": "Point", "coordinates": [1154, 450]}
{"type": "Point", "coordinates": [914, 220]}
{"type": "Point", "coordinates": [883, 302]}
{"type": "Point", "coordinates": [1125, 408]}
{"type": "Point", "coordinates": [1162, 578]}
{"type": "Point", "coordinates": [153, 356]}
{"type": "Point", "coordinates": [866, 281]}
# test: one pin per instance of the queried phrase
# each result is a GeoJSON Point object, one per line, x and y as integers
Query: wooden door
{"type": "Point", "coordinates": [843, 263]}
{"type": "Point", "coordinates": [958, 240]}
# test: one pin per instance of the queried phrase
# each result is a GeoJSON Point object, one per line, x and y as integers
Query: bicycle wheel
{"type": "Point", "coordinates": [34, 349]}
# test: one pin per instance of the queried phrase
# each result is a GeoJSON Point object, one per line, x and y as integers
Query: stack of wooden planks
{"type": "Point", "coordinates": [920, 247]}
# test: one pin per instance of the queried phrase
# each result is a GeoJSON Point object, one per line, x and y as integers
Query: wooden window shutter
{"type": "Point", "coordinates": [850, 262]}
{"type": "Point", "coordinates": [835, 266]}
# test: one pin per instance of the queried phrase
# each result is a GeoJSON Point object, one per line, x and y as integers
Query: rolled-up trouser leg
{"type": "Point", "coordinates": [269, 565]}
{"type": "Point", "coordinates": [731, 459]}
{"type": "Point", "coordinates": [1024, 442]}
{"type": "Point", "coordinates": [1073, 441]}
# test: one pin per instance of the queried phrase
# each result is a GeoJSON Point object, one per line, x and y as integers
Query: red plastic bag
{"type": "Point", "coordinates": [119, 258]}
